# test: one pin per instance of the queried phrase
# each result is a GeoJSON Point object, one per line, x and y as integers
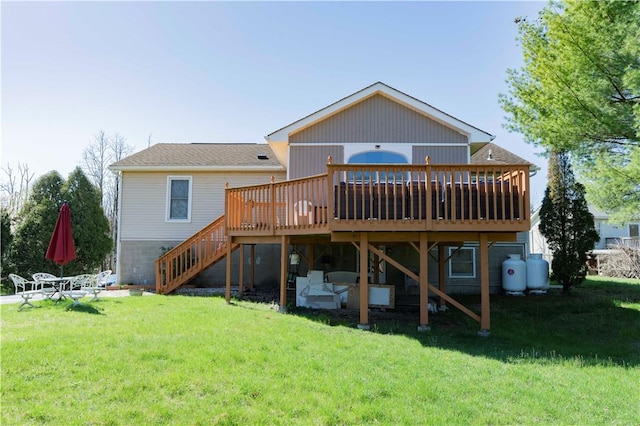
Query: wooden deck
{"type": "Point", "coordinates": [366, 205]}
{"type": "Point", "coordinates": [379, 198]}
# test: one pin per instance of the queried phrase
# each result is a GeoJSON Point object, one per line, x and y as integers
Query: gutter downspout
{"type": "Point", "coordinates": [119, 216]}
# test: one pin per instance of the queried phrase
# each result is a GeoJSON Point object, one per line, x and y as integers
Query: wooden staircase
{"type": "Point", "coordinates": [187, 260]}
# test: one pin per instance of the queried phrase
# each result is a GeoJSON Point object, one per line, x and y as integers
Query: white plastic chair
{"type": "Point", "coordinates": [25, 288]}
{"type": "Point", "coordinates": [77, 285]}
{"type": "Point", "coordinates": [303, 213]}
{"type": "Point", "coordinates": [47, 289]}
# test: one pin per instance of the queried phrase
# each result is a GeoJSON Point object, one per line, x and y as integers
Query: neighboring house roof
{"type": "Point", "coordinates": [494, 154]}
{"type": "Point", "coordinates": [475, 134]}
{"type": "Point", "coordinates": [201, 156]}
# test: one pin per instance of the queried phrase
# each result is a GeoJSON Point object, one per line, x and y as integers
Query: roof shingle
{"type": "Point", "coordinates": [498, 155]}
{"type": "Point", "coordinates": [200, 155]}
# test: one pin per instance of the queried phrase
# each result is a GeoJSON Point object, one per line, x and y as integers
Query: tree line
{"type": "Point", "coordinates": [30, 209]}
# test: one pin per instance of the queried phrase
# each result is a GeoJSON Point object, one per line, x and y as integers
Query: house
{"type": "Point", "coordinates": [169, 192]}
{"type": "Point", "coordinates": [611, 234]}
{"type": "Point", "coordinates": [378, 183]}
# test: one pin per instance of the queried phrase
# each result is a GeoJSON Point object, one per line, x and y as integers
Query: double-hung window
{"type": "Point", "coordinates": [462, 262]}
{"type": "Point", "coordinates": [179, 198]}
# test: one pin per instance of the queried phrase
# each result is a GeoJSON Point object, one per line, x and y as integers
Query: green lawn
{"type": "Point", "coordinates": [179, 360]}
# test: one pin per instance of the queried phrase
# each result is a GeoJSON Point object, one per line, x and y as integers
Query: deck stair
{"type": "Point", "coordinates": [187, 260]}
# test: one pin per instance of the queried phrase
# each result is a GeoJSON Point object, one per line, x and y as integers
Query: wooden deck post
{"type": "Point", "coordinates": [241, 271]}
{"type": "Point", "coordinates": [424, 283]}
{"type": "Point", "coordinates": [364, 282]}
{"type": "Point", "coordinates": [227, 292]}
{"type": "Point", "coordinates": [252, 267]}
{"type": "Point", "coordinates": [484, 286]}
{"type": "Point", "coordinates": [284, 263]}
{"type": "Point", "coordinates": [441, 274]}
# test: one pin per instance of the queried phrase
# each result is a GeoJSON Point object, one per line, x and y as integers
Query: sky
{"type": "Point", "coordinates": [233, 72]}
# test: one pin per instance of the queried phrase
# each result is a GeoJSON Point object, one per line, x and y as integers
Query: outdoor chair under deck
{"type": "Point", "coordinates": [47, 289]}
{"type": "Point", "coordinates": [25, 288]}
{"type": "Point", "coordinates": [77, 285]}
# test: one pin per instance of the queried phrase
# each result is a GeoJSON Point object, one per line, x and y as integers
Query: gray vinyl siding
{"type": "Point", "coordinates": [144, 195]}
{"type": "Point", "coordinates": [441, 154]}
{"type": "Point", "coordinates": [378, 119]}
{"type": "Point", "coordinates": [312, 160]}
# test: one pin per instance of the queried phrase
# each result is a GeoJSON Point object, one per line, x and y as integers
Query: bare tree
{"type": "Point", "coordinates": [97, 157]}
{"type": "Point", "coordinates": [15, 188]}
{"type": "Point", "coordinates": [621, 262]}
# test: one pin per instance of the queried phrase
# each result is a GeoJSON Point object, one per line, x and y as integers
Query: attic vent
{"type": "Point", "coordinates": [263, 157]}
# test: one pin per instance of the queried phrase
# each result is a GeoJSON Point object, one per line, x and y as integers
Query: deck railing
{"type": "Point", "coordinates": [290, 207]}
{"type": "Point", "coordinates": [429, 197]}
{"type": "Point", "coordinates": [183, 262]}
{"type": "Point", "coordinates": [385, 197]}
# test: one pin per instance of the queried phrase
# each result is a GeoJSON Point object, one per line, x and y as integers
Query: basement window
{"type": "Point", "coordinates": [462, 262]}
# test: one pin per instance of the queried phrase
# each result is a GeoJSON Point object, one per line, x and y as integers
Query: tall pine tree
{"type": "Point", "coordinates": [566, 223]}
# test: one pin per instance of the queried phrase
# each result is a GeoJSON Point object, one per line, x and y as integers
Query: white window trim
{"type": "Point", "coordinates": [168, 200]}
{"type": "Point", "coordinates": [473, 257]}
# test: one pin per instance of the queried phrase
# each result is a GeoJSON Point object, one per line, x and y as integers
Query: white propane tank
{"type": "Point", "coordinates": [537, 272]}
{"type": "Point", "coordinates": [514, 275]}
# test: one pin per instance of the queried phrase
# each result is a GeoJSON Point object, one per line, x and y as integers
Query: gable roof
{"type": "Point", "coordinates": [474, 133]}
{"type": "Point", "coordinates": [201, 156]}
{"type": "Point", "coordinates": [494, 154]}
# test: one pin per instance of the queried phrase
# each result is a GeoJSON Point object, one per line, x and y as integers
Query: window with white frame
{"type": "Point", "coordinates": [179, 198]}
{"type": "Point", "coordinates": [462, 262]}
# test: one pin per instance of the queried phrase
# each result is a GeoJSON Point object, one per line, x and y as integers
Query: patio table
{"type": "Point", "coordinates": [58, 284]}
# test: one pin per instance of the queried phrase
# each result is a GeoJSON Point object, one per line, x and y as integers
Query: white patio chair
{"type": "Point", "coordinates": [48, 289]}
{"type": "Point", "coordinates": [303, 213]}
{"type": "Point", "coordinates": [77, 285]}
{"type": "Point", "coordinates": [25, 288]}
{"type": "Point", "coordinates": [101, 278]}
{"type": "Point", "coordinates": [96, 284]}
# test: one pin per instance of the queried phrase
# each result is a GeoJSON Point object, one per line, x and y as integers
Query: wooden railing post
{"type": "Point", "coordinates": [427, 193]}
{"type": "Point", "coordinates": [330, 194]}
{"type": "Point", "coordinates": [272, 194]}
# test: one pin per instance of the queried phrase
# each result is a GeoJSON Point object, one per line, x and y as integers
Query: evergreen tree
{"type": "Point", "coordinates": [89, 223]}
{"type": "Point", "coordinates": [6, 236]}
{"type": "Point", "coordinates": [90, 227]}
{"type": "Point", "coordinates": [35, 225]}
{"type": "Point", "coordinates": [566, 223]}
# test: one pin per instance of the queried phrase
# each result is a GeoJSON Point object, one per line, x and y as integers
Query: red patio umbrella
{"type": "Point", "coordinates": [61, 248]}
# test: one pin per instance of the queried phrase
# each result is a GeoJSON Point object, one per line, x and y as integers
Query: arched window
{"type": "Point", "coordinates": [376, 157]}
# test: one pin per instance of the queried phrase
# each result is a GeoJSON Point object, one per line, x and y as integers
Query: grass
{"type": "Point", "coordinates": [179, 360]}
